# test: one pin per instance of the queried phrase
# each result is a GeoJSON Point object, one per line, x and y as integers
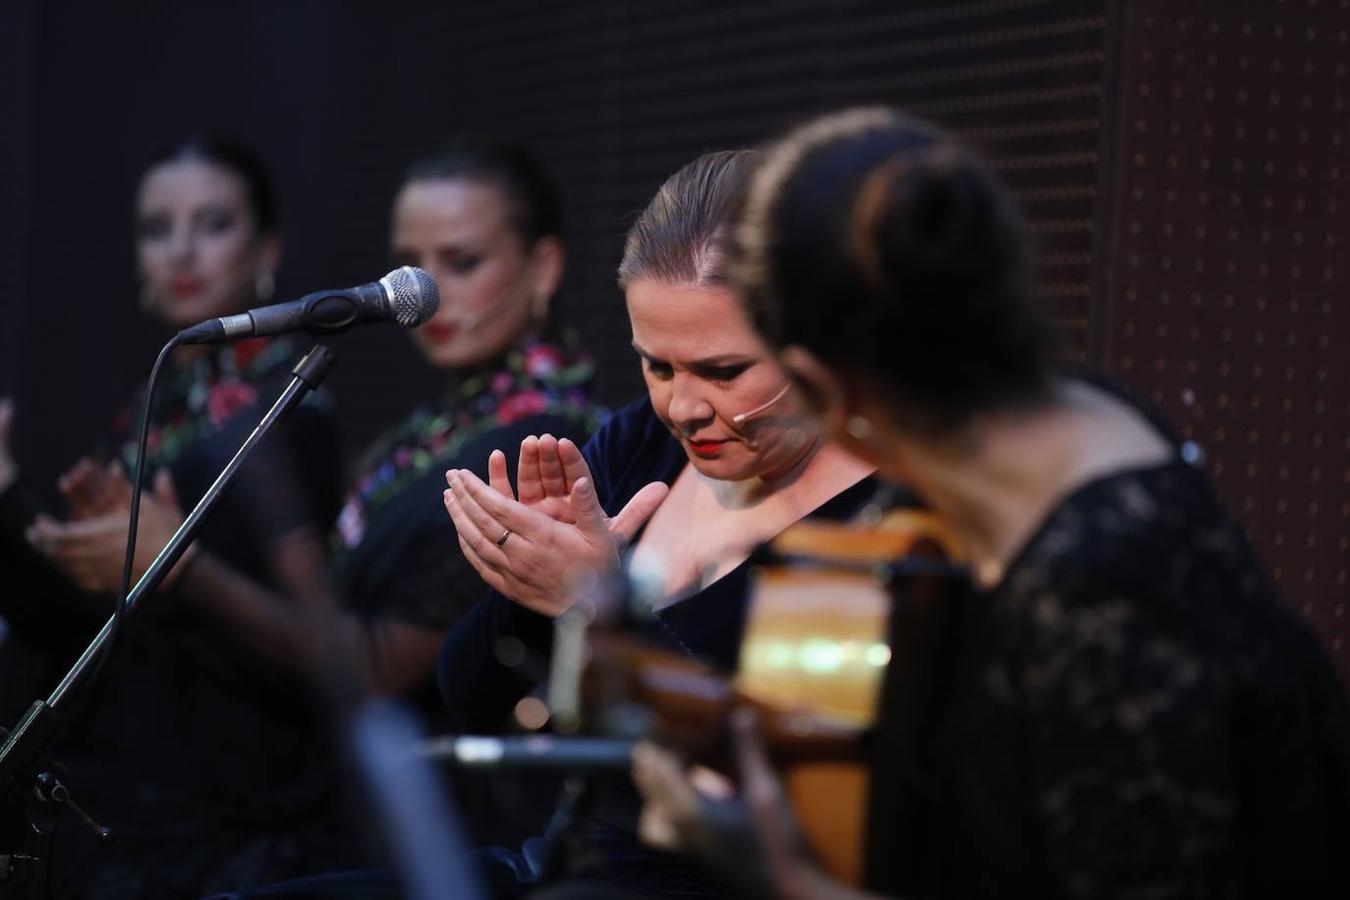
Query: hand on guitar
{"type": "Point", "coordinates": [556, 536]}
{"type": "Point", "coordinates": [753, 840]}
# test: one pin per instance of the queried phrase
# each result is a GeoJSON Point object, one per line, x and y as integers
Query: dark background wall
{"type": "Point", "coordinates": [1127, 130]}
{"type": "Point", "coordinates": [1228, 266]}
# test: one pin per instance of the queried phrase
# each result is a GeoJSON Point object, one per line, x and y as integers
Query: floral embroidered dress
{"type": "Point", "coordinates": [395, 551]}
{"type": "Point", "coordinates": [197, 400]}
{"type": "Point", "coordinates": [204, 410]}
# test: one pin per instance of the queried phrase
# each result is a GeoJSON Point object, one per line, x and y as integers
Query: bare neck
{"type": "Point", "coordinates": [1004, 474]}
{"type": "Point", "coordinates": [822, 468]}
{"type": "Point", "coordinates": [705, 527]}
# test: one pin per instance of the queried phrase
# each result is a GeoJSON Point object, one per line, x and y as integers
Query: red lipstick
{"type": "Point", "coordinates": [705, 448]}
{"type": "Point", "coordinates": [186, 287]}
{"type": "Point", "coordinates": [440, 332]}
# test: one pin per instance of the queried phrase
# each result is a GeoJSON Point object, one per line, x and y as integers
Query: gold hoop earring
{"type": "Point", "coordinates": [858, 427]}
{"type": "Point", "coordinates": [264, 286]}
{"type": "Point", "coordinates": [539, 308]}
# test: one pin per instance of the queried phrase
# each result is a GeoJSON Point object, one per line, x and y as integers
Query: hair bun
{"type": "Point", "coordinates": [937, 222]}
{"type": "Point", "coordinates": [888, 250]}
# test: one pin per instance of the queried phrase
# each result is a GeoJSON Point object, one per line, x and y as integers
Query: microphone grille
{"type": "Point", "coordinates": [412, 294]}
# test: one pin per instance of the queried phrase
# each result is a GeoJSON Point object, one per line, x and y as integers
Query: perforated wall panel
{"type": "Point", "coordinates": [1182, 164]}
{"type": "Point", "coordinates": [1227, 305]}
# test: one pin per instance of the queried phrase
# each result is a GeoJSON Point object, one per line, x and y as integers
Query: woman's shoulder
{"type": "Point", "coordinates": [1145, 559]}
{"type": "Point", "coordinates": [632, 449]}
{"type": "Point", "coordinates": [1130, 521]}
{"type": "Point", "coordinates": [632, 426]}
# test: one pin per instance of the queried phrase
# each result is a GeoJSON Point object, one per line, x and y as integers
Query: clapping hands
{"type": "Point", "coordinates": [536, 545]}
{"type": "Point", "coordinates": [90, 546]}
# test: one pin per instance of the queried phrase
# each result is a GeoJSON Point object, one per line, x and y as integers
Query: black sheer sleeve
{"type": "Point", "coordinates": [1138, 715]}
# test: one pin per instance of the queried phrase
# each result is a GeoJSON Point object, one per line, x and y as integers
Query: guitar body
{"type": "Point", "coordinates": [816, 643]}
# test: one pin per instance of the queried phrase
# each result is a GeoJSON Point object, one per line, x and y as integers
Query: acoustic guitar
{"type": "Point", "coordinates": [812, 659]}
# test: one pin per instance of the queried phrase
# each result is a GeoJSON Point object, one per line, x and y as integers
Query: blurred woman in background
{"type": "Point", "coordinates": [484, 218]}
{"type": "Point", "coordinates": [190, 746]}
{"type": "Point", "coordinates": [485, 221]}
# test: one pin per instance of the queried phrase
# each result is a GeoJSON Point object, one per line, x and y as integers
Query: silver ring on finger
{"type": "Point", "coordinates": [502, 540]}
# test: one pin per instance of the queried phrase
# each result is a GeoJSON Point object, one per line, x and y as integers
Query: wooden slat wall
{"type": "Point", "coordinates": [619, 95]}
{"type": "Point", "coordinates": [616, 94]}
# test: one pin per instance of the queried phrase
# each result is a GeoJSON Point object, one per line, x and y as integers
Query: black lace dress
{"type": "Point", "coordinates": [1133, 713]}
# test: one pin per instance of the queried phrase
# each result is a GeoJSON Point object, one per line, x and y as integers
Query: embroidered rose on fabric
{"type": "Point", "coordinates": [542, 360]}
{"type": "Point", "coordinates": [532, 379]}
{"type": "Point", "coordinates": [246, 351]}
{"type": "Point", "coordinates": [518, 406]}
{"type": "Point", "coordinates": [351, 524]}
{"type": "Point", "coordinates": [226, 399]}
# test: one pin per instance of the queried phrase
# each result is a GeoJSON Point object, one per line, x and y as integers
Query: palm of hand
{"type": "Point", "coordinates": [553, 541]}
{"type": "Point", "coordinates": [90, 547]}
{"type": "Point", "coordinates": [93, 491]}
{"type": "Point", "coordinates": [546, 472]}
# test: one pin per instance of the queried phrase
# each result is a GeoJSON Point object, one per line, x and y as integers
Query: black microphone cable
{"type": "Point", "coordinates": [133, 519]}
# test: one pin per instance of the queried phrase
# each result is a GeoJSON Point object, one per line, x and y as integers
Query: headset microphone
{"type": "Point", "coordinates": [739, 420]}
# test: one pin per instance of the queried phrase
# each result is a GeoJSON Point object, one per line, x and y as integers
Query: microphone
{"type": "Point", "coordinates": [537, 751]}
{"type": "Point", "coordinates": [742, 418]}
{"type": "Point", "coordinates": [407, 295]}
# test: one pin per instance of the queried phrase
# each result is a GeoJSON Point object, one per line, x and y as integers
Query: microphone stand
{"type": "Point", "coordinates": [21, 755]}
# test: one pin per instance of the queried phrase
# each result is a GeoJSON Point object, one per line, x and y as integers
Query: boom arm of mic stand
{"type": "Point", "coordinates": [25, 744]}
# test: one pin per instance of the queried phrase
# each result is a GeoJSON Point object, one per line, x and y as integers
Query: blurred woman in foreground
{"type": "Point", "coordinates": [1134, 712]}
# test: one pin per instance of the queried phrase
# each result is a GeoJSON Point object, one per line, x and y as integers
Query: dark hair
{"type": "Point", "coordinates": [681, 237]}
{"type": "Point", "coordinates": [237, 159]}
{"type": "Point", "coordinates": [878, 243]}
{"type": "Point", "coordinates": [532, 195]}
